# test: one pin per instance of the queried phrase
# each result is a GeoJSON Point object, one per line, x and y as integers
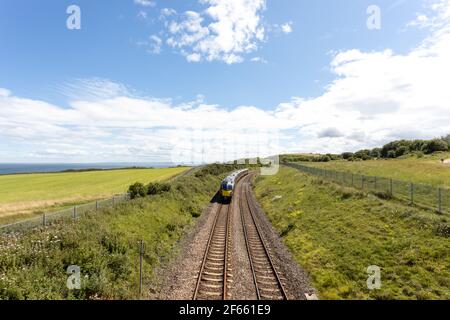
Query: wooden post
{"type": "Point", "coordinates": [96, 205]}
{"type": "Point", "coordinates": [391, 189]}
{"type": "Point", "coordinates": [44, 220]}
{"type": "Point", "coordinates": [362, 182]}
{"type": "Point", "coordinates": [114, 200]}
{"type": "Point", "coordinates": [141, 255]}
{"type": "Point", "coordinates": [440, 200]}
{"type": "Point", "coordinates": [74, 212]}
{"type": "Point", "coordinates": [353, 180]}
{"type": "Point", "coordinates": [412, 192]}
{"type": "Point", "coordinates": [375, 184]}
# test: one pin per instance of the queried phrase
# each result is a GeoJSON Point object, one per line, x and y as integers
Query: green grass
{"type": "Point", "coordinates": [104, 244]}
{"type": "Point", "coordinates": [24, 194]}
{"type": "Point", "coordinates": [336, 233]}
{"type": "Point", "coordinates": [427, 170]}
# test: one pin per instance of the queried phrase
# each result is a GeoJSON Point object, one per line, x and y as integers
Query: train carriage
{"type": "Point", "coordinates": [228, 184]}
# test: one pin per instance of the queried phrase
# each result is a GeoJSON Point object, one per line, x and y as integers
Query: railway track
{"type": "Point", "coordinates": [267, 280]}
{"type": "Point", "coordinates": [214, 276]}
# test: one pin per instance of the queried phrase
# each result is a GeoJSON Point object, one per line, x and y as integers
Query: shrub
{"type": "Point", "coordinates": [137, 190]}
{"type": "Point", "coordinates": [157, 188]}
{"type": "Point", "coordinates": [384, 195]}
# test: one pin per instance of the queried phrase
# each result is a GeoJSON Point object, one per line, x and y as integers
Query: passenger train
{"type": "Point", "coordinates": [228, 184]}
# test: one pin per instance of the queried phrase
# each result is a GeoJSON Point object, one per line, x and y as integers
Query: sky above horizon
{"type": "Point", "coordinates": [215, 80]}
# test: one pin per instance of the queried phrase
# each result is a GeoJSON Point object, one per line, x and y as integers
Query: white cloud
{"type": "Point", "coordinates": [142, 15]}
{"type": "Point", "coordinates": [145, 3]}
{"type": "Point", "coordinates": [93, 89]}
{"type": "Point", "coordinates": [117, 125]}
{"type": "Point", "coordinates": [287, 27]}
{"type": "Point", "coordinates": [155, 44]}
{"type": "Point", "coordinates": [4, 92]}
{"type": "Point", "coordinates": [225, 31]}
{"type": "Point", "coordinates": [166, 12]}
{"type": "Point", "coordinates": [259, 59]}
{"type": "Point", "coordinates": [437, 16]}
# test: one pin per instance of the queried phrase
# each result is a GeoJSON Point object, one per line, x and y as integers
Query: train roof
{"type": "Point", "coordinates": [234, 175]}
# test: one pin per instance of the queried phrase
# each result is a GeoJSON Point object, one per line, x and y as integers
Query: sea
{"type": "Point", "coordinates": [15, 168]}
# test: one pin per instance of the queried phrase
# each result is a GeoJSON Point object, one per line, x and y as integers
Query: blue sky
{"type": "Point", "coordinates": [281, 60]}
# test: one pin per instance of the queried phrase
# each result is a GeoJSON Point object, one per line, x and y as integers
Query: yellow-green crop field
{"type": "Point", "coordinates": [24, 195]}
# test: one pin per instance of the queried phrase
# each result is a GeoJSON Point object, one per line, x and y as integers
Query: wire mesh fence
{"type": "Point", "coordinates": [422, 195]}
{"type": "Point", "coordinates": [74, 212]}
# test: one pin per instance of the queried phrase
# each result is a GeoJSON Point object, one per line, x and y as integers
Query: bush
{"type": "Point", "coordinates": [137, 190]}
{"type": "Point", "coordinates": [326, 158]}
{"type": "Point", "coordinates": [157, 188]}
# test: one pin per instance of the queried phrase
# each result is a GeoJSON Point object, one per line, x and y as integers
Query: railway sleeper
{"type": "Point", "coordinates": [213, 274]}
{"type": "Point", "coordinates": [214, 269]}
{"type": "Point", "coordinates": [212, 279]}
{"type": "Point", "coordinates": [212, 286]}
{"type": "Point", "coordinates": [271, 297]}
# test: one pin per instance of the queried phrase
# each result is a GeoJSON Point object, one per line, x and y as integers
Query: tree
{"type": "Point", "coordinates": [400, 151]}
{"type": "Point", "coordinates": [394, 146]}
{"type": "Point", "coordinates": [347, 155]}
{"type": "Point", "coordinates": [435, 145]}
{"type": "Point", "coordinates": [417, 145]}
{"type": "Point", "coordinates": [363, 154]}
{"type": "Point", "coordinates": [375, 153]}
{"type": "Point", "coordinates": [390, 154]}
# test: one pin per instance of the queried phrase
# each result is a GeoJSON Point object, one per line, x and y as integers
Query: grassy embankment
{"type": "Point", "coordinates": [427, 170]}
{"type": "Point", "coordinates": [25, 195]}
{"type": "Point", "coordinates": [104, 244]}
{"type": "Point", "coordinates": [336, 233]}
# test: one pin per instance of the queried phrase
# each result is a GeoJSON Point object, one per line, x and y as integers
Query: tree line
{"type": "Point", "coordinates": [392, 150]}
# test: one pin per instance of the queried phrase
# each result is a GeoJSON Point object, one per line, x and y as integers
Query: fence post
{"type": "Point", "coordinates": [440, 200]}
{"type": "Point", "coordinates": [362, 182]}
{"type": "Point", "coordinates": [141, 255]}
{"type": "Point", "coordinates": [74, 212]}
{"type": "Point", "coordinates": [114, 200]}
{"type": "Point", "coordinates": [391, 189]}
{"type": "Point", "coordinates": [353, 180]}
{"type": "Point", "coordinates": [96, 205]}
{"type": "Point", "coordinates": [376, 184]}
{"type": "Point", "coordinates": [44, 220]}
{"type": "Point", "coordinates": [412, 193]}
